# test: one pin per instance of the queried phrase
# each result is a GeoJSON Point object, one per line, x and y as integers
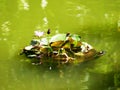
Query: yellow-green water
{"type": "Point", "coordinates": [98, 23]}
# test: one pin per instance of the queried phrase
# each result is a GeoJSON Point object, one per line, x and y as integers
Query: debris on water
{"type": "Point", "coordinates": [28, 47]}
{"type": "Point", "coordinates": [48, 32]}
{"type": "Point", "coordinates": [59, 48]}
{"type": "Point", "coordinates": [50, 68]}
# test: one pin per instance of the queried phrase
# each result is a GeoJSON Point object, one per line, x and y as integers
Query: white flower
{"type": "Point", "coordinates": [38, 33]}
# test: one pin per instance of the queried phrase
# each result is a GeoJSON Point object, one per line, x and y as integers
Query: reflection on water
{"type": "Point", "coordinates": [96, 21]}
{"type": "Point", "coordinates": [77, 9]}
{"type": "Point", "coordinates": [23, 5]}
{"type": "Point", "coordinates": [5, 30]}
{"type": "Point", "coordinates": [44, 3]}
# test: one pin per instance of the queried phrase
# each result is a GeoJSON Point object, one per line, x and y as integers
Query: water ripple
{"type": "Point", "coordinates": [44, 4]}
{"type": "Point", "coordinates": [23, 5]}
{"type": "Point", "coordinates": [76, 10]}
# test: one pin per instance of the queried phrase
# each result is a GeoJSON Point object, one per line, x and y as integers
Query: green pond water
{"type": "Point", "coordinates": [98, 23]}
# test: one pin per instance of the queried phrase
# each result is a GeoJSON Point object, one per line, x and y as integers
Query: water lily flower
{"type": "Point", "coordinates": [38, 33]}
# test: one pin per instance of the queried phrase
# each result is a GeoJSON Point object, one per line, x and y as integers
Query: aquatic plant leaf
{"type": "Point", "coordinates": [34, 41]}
{"type": "Point", "coordinates": [75, 37]}
{"type": "Point", "coordinates": [58, 37]}
{"type": "Point", "coordinates": [44, 41]}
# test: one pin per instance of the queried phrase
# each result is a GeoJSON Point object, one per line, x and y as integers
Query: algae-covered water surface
{"type": "Point", "coordinates": [96, 21]}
